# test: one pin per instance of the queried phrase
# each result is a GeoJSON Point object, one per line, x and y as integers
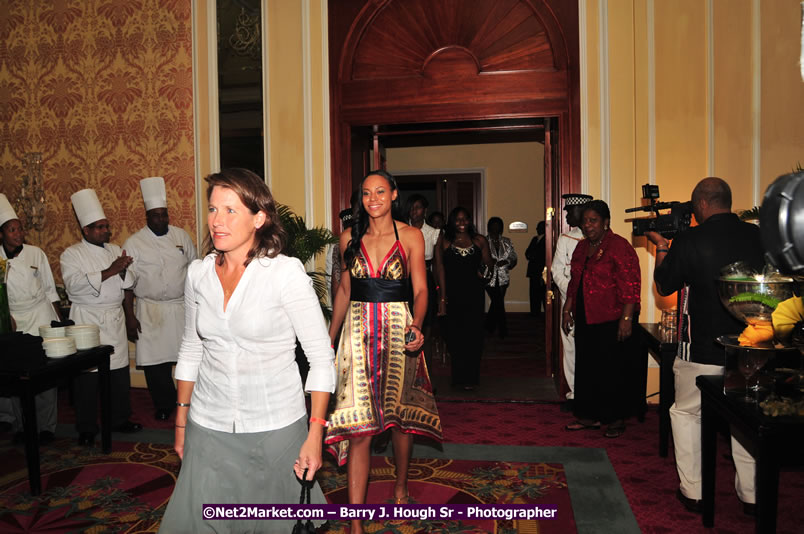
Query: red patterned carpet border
{"type": "Point", "coordinates": [439, 481]}
{"type": "Point", "coordinates": [127, 491]}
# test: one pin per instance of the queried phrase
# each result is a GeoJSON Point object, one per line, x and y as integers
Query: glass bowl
{"type": "Point", "coordinates": [752, 301]}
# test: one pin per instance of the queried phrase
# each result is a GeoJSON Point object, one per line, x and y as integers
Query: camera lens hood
{"type": "Point", "coordinates": [781, 222]}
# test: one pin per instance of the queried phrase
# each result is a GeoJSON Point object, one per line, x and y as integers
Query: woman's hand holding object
{"type": "Point", "coordinates": [309, 457]}
{"type": "Point", "coordinates": [418, 340]}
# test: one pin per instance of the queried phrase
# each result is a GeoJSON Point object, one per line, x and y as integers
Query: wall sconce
{"type": "Point", "coordinates": [31, 200]}
{"type": "Point", "coordinates": [246, 40]}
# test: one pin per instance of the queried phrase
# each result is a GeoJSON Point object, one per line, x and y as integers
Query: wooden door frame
{"type": "Point", "coordinates": [519, 94]}
{"type": "Point", "coordinates": [552, 316]}
{"type": "Point", "coordinates": [532, 95]}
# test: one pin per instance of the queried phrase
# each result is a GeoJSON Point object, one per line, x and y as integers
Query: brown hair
{"type": "Point", "coordinates": [270, 238]}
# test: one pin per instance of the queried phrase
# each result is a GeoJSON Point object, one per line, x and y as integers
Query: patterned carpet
{"type": "Point", "coordinates": [507, 430]}
{"type": "Point", "coordinates": [86, 491]}
{"type": "Point", "coordinates": [127, 491]}
{"type": "Point", "coordinates": [649, 482]}
{"type": "Point", "coordinates": [446, 481]}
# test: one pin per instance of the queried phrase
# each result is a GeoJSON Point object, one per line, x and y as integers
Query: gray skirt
{"type": "Point", "coordinates": [226, 468]}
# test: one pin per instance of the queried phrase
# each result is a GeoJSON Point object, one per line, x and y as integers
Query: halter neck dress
{"type": "Point", "coordinates": [379, 385]}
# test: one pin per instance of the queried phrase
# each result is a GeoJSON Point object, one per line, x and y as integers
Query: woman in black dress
{"type": "Point", "coordinates": [462, 257]}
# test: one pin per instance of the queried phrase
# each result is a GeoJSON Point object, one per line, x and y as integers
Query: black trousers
{"type": "Point", "coordinates": [465, 345]}
{"type": "Point", "coordinates": [160, 385]}
{"type": "Point", "coordinates": [537, 293]}
{"type": "Point", "coordinates": [495, 319]}
{"type": "Point", "coordinates": [85, 388]}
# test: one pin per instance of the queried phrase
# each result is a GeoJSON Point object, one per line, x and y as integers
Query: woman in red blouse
{"type": "Point", "coordinates": [602, 301]}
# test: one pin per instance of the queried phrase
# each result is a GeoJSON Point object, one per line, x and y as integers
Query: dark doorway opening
{"type": "Point", "coordinates": [444, 191]}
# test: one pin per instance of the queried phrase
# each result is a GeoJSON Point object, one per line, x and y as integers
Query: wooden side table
{"type": "Point", "coordinates": [27, 383]}
{"type": "Point", "coordinates": [774, 442]}
{"type": "Point", "coordinates": [663, 346]}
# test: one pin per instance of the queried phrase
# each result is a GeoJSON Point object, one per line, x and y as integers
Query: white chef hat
{"type": "Point", "coordinates": [153, 192]}
{"type": "Point", "coordinates": [6, 211]}
{"type": "Point", "coordinates": [87, 207]}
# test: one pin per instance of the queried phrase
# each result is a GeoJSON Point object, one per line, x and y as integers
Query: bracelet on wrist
{"type": "Point", "coordinates": [665, 250]}
{"type": "Point", "coordinates": [320, 421]}
{"type": "Point", "coordinates": [183, 404]}
{"type": "Point", "coordinates": [626, 317]}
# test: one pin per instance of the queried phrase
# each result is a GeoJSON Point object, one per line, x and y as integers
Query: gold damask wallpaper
{"type": "Point", "coordinates": [103, 89]}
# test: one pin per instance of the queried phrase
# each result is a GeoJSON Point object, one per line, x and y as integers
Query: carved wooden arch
{"type": "Point", "coordinates": [415, 61]}
{"type": "Point", "coordinates": [509, 35]}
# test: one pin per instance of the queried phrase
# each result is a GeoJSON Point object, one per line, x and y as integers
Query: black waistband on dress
{"type": "Point", "coordinates": [378, 290]}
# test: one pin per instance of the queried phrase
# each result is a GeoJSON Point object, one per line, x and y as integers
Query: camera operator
{"type": "Point", "coordinates": [692, 266]}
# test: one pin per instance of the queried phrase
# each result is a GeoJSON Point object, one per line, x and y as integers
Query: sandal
{"type": "Point", "coordinates": [580, 425]}
{"type": "Point", "coordinates": [614, 431]}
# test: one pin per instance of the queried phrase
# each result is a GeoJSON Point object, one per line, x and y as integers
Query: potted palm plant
{"type": "Point", "coordinates": [305, 244]}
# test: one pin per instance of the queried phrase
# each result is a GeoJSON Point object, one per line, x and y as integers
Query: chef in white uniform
{"type": "Point", "coordinates": [33, 301]}
{"type": "Point", "coordinates": [161, 254]}
{"type": "Point", "coordinates": [95, 276]}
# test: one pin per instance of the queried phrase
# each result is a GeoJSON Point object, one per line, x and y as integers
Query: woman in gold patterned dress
{"type": "Point", "coordinates": [382, 381]}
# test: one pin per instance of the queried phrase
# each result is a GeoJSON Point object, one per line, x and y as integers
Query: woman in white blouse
{"type": "Point", "coordinates": [504, 256]}
{"type": "Point", "coordinates": [241, 420]}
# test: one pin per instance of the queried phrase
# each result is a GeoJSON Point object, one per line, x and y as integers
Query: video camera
{"type": "Point", "coordinates": [666, 224]}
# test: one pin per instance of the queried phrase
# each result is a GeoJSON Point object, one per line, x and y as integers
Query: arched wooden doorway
{"type": "Point", "coordinates": [440, 61]}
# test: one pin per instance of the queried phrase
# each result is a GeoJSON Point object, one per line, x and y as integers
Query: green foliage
{"type": "Point", "coordinates": [750, 215]}
{"type": "Point", "coordinates": [767, 300]}
{"type": "Point", "coordinates": [307, 243]}
{"type": "Point", "coordinates": [753, 213]}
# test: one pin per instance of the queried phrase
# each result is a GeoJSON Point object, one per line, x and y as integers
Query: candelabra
{"type": "Point", "coordinates": [30, 203]}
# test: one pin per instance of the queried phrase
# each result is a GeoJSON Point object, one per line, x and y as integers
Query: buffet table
{"type": "Point", "coordinates": [773, 441]}
{"type": "Point", "coordinates": [27, 383]}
